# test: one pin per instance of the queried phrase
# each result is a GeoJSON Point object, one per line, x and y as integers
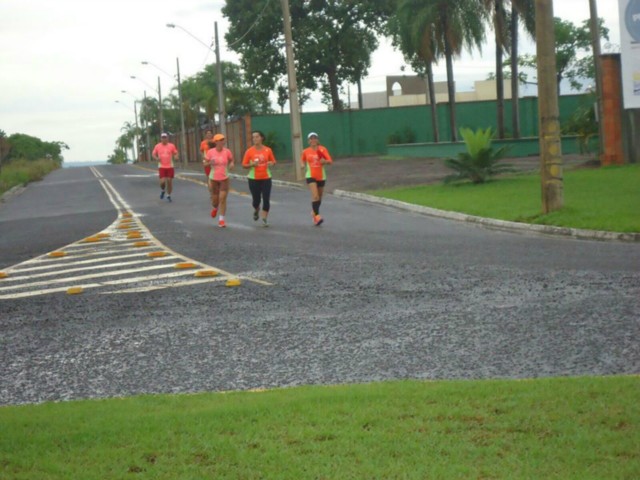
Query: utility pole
{"type": "Point", "coordinates": [146, 129]}
{"type": "Point", "coordinates": [221, 111]}
{"type": "Point", "coordinates": [160, 106]}
{"type": "Point", "coordinates": [548, 111]}
{"type": "Point", "coordinates": [135, 112]}
{"type": "Point", "coordinates": [183, 137]}
{"type": "Point", "coordinates": [597, 61]}
{"type": "Point", "coordinates": [294, 106]}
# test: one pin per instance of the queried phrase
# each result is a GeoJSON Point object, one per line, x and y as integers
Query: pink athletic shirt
{"type": "Point", "coordinates": [219, 161]}
{"type": "Point", "coordinates": [165, 153]}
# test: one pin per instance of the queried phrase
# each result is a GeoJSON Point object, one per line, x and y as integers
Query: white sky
{"type": "Point", "coordinates": [64, 63]}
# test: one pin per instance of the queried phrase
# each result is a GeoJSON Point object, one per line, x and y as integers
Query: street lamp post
{"type": "Point", "coordinates": [221, 109]}
{"type": "Point", "coordinates": [160, 120]}
{"type": "Point", "coordinates": [135, 138]}
{"type": "Point", "coordinates": [183, 135]}
{"type": "Point", "coordinates": [142, 122]}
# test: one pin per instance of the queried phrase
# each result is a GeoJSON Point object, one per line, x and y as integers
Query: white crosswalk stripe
{"type": "Point", "coordinates": [123, 258]}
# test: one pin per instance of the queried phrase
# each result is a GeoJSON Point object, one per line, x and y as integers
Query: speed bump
{"type": "Point", "coordinates": [206, 273]}
{"type": "Point", "coordinates": [185, 265]}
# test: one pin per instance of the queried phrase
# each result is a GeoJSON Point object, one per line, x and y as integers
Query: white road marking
{"type": "Point", "coordinates": [104, 258]}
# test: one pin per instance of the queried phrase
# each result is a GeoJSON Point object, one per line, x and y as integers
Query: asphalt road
{"type": "Point", "coordinates": [374, 294]}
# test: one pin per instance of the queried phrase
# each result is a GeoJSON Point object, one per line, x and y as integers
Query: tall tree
{"type": "Point", "coordinates": [455, 26]}
{"type": "Point", "coordinates": [333, 41]}
{"type": "Point", "coordinates": [574, 60]}
{"type": "Point", "coordinates": [520, 10]}
{"type": "Point", "coordinates": [406, 28]}
{"type": "Point", "coordinates": [506, 38]}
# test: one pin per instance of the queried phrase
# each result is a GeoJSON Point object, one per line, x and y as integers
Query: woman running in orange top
{"type": "Point", "coordinates": [258, 159]}
{"type": "Point", "coordinates": [314, 158]}
{"type": "Point", "coordinates": [220, 160]}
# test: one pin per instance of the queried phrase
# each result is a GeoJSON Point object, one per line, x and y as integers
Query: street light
{"type": "Point", "coordinates": [221, 110]}
{"type": "Point", "coordinates": [135, 137]}
{"type": "Point", "coordinates": [145, 62]}
{"type": "Point", "coordinates": [144, 124]}
{"type": "Point", "coordinates": [159, 92]}
{"type": "Point", "coordinates": [183, 139]}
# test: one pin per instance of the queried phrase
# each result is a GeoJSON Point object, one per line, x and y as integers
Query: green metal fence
{"type": "Point", "coordinates": [369, 132]}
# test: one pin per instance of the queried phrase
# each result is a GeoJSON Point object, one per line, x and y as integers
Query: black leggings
{"type": "Point", "coordinates": [260, 188]}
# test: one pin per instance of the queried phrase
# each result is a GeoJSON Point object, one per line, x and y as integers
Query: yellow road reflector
{"type": "Point", "coordinates": [157, 254]}
{"type": "Point", "coordinates": [103, 235]}
{"type": "Point", "coordinates": [134, 235]}
{"type": "Point", "coordinates": [125, 226]}
{"type": "Point", "coordinates": [127, 215]}
{"type": "Point", "coordinates": [233, 282]}
{"type": "Point", "coordinates": [206, 273]}
{"type": "Point", "coordinates": [4, 274]}
{"type": "Point", "coordinates": [185, 265]}
{"type": "Point", "coordinates": [57, 253]}
{"type": "Point", "coordinates": [74, 290]}
{"type": "Point", "coordinates": [91, 240]}
{"type": "Point", "coordinates": [142, 244]}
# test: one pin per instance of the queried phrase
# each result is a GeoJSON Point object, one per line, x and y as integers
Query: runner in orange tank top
{"type": "Point", "coordinates": [314, 158]}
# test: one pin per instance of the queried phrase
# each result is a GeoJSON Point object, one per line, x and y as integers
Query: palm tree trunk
{"type": "Point", "coordinates": [499, 73]}
{"type": "Point", "coordinates": [432, 103]}
{"type": "Point", "coordinates": [515, 93]}
{"type": "Point", "coordinates": [451, 90]}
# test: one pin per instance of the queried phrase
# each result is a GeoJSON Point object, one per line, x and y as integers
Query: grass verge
{"type": "Point", "coordinates": [598, 199]}
{"type": "Point", "coordinates": [21, 172]}
{"type": "Point", "coordinates": [556, 428]}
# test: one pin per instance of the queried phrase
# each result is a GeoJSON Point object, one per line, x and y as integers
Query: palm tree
{"type": "Point", "coordinates": [497, 10]}
{"type": "Point", "coordinates": [524, 9]}
{"type": "Point", "coordinates": [454, 26]}
{"type": "Point", "coordinates": [417, 43]}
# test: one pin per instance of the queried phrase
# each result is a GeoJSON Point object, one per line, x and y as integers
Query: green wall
{"type": "Point", "coordinates": [366, 132]}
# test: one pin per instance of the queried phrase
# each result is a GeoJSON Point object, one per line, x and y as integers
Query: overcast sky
{"type": "Point", "coordinates": [64, 63]}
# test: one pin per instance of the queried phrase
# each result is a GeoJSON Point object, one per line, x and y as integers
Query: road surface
{"type": "Point", "coordinates": [375, 293]}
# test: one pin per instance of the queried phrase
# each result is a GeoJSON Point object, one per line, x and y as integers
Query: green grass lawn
{"type": "Point", "coordinates": [21, 172]}
{"type": "Point", "coordinates": [599, 199]}
{"type": "Point", "coordinates": [561, 428]}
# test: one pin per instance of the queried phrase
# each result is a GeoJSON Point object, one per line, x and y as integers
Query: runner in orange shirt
{"type": "Point", "coordinates": [314, 158]}
{"type": "Point", "coordinates": [220, 160]}
{"type": "Point", "coordinates": [165, 153]}
{"type": "Point", "coordinates": [258, 159]}
{"type": "Point", "coordinates": [204, 148]}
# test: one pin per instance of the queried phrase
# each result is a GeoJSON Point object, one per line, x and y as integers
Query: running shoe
{"type": "Point", "coordinates": [214, 212]}
{"type": "Point", "coordinates": [221, 223]}
{"type": "Point", "coordinates": [168, 198]}
{"type": "Point", "coordinates": [265, 223]}
{"type": "Point", "coordinates": [161, 194]}
{"type": "Point", "coordinates": [255, 216]}
{"type": "Point", "coordinates": [317, 220]}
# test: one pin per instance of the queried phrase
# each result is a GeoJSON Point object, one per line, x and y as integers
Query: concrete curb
{"type": "Point", "coordinates": [493, 223]}
{"type": "Point", "coordinates": [15, 190]}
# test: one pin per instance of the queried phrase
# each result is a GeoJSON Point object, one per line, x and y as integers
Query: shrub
{"type": "Point", "coordinates": [406, 135]}
{"type": "Point", "coordinates": [480, 161]}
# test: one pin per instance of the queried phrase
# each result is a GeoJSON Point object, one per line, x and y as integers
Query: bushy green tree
{"type": "Point", "coordinates": [333, 41]}
{"type": "Point", "coordinates": [26, 147]}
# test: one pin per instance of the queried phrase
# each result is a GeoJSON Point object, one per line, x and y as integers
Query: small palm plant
{"type": "Point", "coordinates": [480, 161]}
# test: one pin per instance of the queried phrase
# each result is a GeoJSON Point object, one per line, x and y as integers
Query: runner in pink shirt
{"type": "Point", "coordinates": [165, 153]}
{"type": "Point", "coordinates": [220, 159]}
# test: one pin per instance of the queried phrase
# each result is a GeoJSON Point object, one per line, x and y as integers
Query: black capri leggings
{"type": "Point", "coordinates": [260, 189]}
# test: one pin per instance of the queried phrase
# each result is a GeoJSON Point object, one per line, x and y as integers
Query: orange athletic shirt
{"type": "Point", "coordinates": [312, 158]}
{"type": "Point", "coordinates": [264, 155]}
